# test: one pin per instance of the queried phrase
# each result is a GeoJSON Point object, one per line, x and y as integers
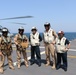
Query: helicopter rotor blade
{"type": "Point", "coordinates": [21, 17]}
{"type": "Point", "coordinates": [18, 23]}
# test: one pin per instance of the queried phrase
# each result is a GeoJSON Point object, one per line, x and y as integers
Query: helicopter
{"type": "Point", "coordinates": [11, 18]}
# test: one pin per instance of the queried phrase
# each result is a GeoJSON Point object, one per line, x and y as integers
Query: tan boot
{"type": "Point", "coordinates": [47, 64]}
{"type": "Point", "coordinates": [12, 67]}
{"type": "Point", "coordinates": [26, 64]}
{"type": "Point", "coordinates": [53, 67]}
{"type": "Point", "coordinates": [18, 66]}
{"type": "Point", "coordinates": [1, 71]}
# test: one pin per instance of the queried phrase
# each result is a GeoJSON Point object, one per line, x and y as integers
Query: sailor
{"type": "Point", "coordinates": [35, 39]}
{"type": "Point", "coordinates": [49, 37]}
{"type": "Point", "coordinates": [62, 46]}
{"type": "Point", "coordinates": [5, 50]}
{"type": "Point", "coordinates": [21, 42]}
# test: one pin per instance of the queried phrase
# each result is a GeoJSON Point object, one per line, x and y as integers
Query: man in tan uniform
{"type": "Point", "coordinates": [5, 50]}
{"type": "Point", "coordinates": [49, 37]}
{"type": "Point", "coordinates": [19, 39]}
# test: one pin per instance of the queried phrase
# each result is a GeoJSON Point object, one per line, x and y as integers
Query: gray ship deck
{"type": "Point", "coordinates": [43, 70]}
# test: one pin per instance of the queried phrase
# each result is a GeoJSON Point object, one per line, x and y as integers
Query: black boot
{"type": "Point", "coordinates": [31, 63]}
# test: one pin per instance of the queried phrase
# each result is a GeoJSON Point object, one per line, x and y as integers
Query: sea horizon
{"type": "Point", "coordinates": [69, 35]}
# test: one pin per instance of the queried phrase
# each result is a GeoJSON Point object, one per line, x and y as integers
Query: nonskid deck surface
{"type": "Point", "coordinates": [43, 70]}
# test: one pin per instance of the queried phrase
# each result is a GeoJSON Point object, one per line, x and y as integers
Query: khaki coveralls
{"type": "Point", "coordinates": [50, 49]}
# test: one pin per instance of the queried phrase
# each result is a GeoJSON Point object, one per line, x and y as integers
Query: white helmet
{"type": "Point", "coordinates": [21, 28]}
{"type": "Point", "coordinates": [61, 32]}
{"type": "Point", "coordinates": [47, 24]}
{"type": "Point", "coordinates": [33, 28]}
{"type": "Point", "coordinates": [4, 30]}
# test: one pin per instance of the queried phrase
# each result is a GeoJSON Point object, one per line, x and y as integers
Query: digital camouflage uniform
{"type": "Point", "coordinates": [6, 50]}
{"type": "Point", "coordinates": [18, 41]}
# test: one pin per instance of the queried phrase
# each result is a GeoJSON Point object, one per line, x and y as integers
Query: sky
{"type": "Point", "coordinates": [60, 13]}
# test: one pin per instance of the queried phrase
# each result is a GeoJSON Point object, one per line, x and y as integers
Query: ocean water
{"type": "Point", "coordinates": [69, 35]}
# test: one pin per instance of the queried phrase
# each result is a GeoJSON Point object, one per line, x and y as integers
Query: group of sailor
{"type": "Point", "coordinates": [55, 45]}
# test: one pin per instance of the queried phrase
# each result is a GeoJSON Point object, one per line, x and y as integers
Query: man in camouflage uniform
{"type": "Point", "coordinates": [5, 50]}
{"type": "Point", "coordinates": [19, 39]}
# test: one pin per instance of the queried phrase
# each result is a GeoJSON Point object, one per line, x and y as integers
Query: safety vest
{"type": "Point", "coordinates": [60, 45]}
{"type": "Point", "coordinates": [48, 36]}
{"type": "Point", "coordinates": [34, 39]}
